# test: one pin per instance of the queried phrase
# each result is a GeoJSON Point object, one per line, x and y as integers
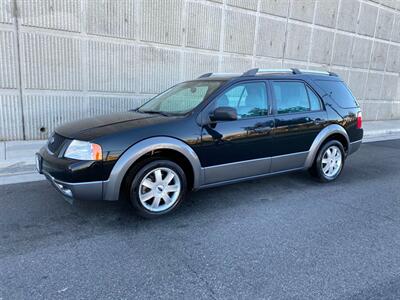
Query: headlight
{"type": "Point", "coordinates": [83, 151]}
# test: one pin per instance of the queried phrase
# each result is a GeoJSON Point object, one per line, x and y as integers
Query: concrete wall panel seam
{"type": "Point", "coordinates": [286, 31]}
{"type": "Point", "coordinates": [335, 33]}
{"type": "Point", "coordinates": [314, 15]}
{"type": "Point", "coordinates": [372, 85]}
{"type": "Point", "coordinates": [256, 33]}
{"type": "Point", "coordinates": [222, 36]}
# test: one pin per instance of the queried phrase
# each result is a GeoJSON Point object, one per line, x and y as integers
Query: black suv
{"type": "Point", "coordinates": [215, 130]}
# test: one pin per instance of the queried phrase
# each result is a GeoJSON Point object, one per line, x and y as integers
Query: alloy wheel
{"type": "Point", "coordinates": [331, 163]}
{"type": "Point", "coordinates": [159, 189]}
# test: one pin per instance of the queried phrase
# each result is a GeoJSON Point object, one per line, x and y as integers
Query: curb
{"type": "Point", "coordinates": [20, 178]}
{"type": "Point", "coordinates": [382, 132]}
{"type": "Point", "coordinates": [11, 151]}
{"type": "Point", "coordinates": [381, 137]}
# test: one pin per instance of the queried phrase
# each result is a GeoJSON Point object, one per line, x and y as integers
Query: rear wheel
{"type": "Point", "coordinates": [157, 188]}
{"type": "Point", "coordinates": [329, 162]}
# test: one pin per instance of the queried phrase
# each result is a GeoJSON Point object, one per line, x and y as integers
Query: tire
{"type": "Point", "coordinates": [329, 162]}
{"type": "Point", "coordinates": [157, 188]}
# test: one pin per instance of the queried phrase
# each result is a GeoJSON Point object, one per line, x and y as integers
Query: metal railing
{"type": "Point", "coordinates": [257, 71]}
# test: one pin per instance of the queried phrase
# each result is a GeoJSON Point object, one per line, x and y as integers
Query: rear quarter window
{"type": "Point", "coordinates": [339, 92]}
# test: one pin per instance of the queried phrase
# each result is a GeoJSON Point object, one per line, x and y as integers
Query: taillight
{"type": "Point", "coordinates": [359, 120]}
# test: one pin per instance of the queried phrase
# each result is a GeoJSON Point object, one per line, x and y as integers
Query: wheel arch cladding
{"type": "Point", "coordinates": [112, 186]}
{"type": "Point", "coordinates": [165, 154]}
{"type": "Point", "coordinates": [326, 134]}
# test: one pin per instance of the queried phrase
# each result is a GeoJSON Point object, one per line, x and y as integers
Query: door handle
{"type": "Point", "coordinates": [318, 121]}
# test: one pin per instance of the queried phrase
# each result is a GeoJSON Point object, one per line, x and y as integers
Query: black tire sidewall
{"type": "Point", "coordinates": [134, 187]}
{"type": "Point", "coordinates": [318, 162]}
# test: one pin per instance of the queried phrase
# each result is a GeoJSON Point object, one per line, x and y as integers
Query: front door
{"type": "Point", "coordinates": [299, 117]}
{"type": "Point", "coordinates": [239, 148]}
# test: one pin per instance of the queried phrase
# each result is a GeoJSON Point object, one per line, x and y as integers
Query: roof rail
{"type": "Point", "coordinates": [254, 72]}
{"type": "Point", "coordinates": [303, 71]}
{"type": "Point", "coordinates": [218, 74]}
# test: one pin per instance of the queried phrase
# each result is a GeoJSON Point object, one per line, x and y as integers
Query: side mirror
{"type": "Point", "coordinates": [224, 113]}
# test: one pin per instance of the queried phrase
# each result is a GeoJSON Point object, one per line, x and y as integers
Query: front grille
{"type": "Point", "coordinates": [55, 142]}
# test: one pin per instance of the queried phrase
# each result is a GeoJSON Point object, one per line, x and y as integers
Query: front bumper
{"type": "Point", "coordinates": [50, 167]}
{"type": "Point", "coordinates": [82, 190]}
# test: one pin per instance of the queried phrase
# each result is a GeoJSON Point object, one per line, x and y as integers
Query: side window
{"type": "Point", "coordinates": [249, 99]}
{"type": "Point", "coordinates": [290, 97]}
{"type": "Point", "coordinates": [315, 103]}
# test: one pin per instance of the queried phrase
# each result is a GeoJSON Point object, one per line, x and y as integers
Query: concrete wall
{"type": "Point", "coordinates": [62, 60]}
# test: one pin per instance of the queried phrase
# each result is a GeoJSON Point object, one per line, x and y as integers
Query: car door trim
{"type": "Point", "coordinates": [236, 170]}
{"type": "Point", "coordinates": [231, 172]}
{"type": "Point", "coordinates": [226, 182]}
{"type": "Point", "coordinates": [288, 161]}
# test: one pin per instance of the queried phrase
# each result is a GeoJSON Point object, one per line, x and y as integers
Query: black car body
{"type": "Point", "coordinates": [248, 126]}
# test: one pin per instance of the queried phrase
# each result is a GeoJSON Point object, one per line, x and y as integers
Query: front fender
{"type": "Point", "coordinates": [112, 186]}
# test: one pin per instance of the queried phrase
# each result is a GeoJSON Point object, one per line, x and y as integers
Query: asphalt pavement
{"type": "Point", "coordinates": [283, 237]}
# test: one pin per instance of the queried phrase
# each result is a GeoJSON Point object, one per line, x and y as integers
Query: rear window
{"type": "Point", "coordinates": [339, 92]}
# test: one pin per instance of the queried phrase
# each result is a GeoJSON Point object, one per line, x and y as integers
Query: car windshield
{"type": "Point", "coordinates": [181, 98]}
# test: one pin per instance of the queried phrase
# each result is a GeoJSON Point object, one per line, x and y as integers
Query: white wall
{"type": "Point", "coordinates": [62, 60]}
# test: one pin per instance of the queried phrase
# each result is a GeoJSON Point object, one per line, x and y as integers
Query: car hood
{"type": "Point", "coordinates": [91, 128]}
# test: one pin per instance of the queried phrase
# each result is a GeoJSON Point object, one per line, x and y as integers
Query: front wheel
{"type": "Point", "coordinates": [329, 162]}
{"type": "Point", "coordinates": [158, 188]}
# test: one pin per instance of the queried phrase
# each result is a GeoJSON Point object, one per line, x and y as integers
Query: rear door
{"type": "Point", "coordinates": [299, 117]}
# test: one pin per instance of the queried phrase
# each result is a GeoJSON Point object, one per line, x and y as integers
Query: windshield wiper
{"type": "Point", "coordinates": [154, 112]}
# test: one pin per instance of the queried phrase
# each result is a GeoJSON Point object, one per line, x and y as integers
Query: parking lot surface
{"type": "Point", "coordinates": [284, 237]}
